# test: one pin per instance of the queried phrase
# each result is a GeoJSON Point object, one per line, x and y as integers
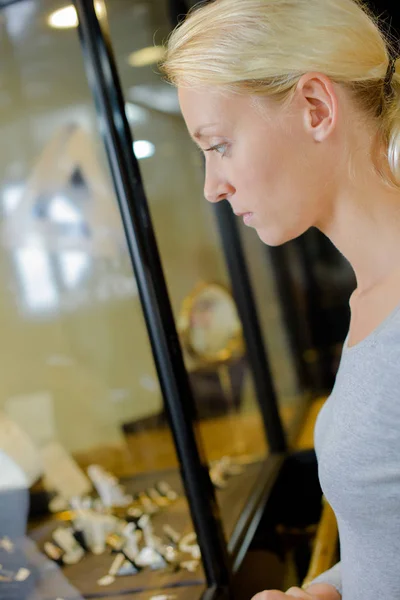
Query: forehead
{"type": "Point", "coordinates": [204, 108]}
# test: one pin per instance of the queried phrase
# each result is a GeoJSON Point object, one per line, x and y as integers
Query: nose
{"type": "Point", "coordinates": [217, 188]}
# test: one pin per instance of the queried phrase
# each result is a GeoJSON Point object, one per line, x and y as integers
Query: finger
{"type": "Point", "coordinates": [296, 592]}
{"type": "Point", "coordinates": [270, 595]}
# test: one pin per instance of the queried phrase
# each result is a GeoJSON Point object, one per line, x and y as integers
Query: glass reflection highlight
{"type": "Point", "coordinates": [36, 277]}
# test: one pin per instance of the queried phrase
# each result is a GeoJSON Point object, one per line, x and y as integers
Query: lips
{"type": "Point", "coordinates": [246, 216]}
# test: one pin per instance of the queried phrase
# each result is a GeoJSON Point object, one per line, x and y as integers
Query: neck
{"type": "Point", "coordinates": [364, 224]}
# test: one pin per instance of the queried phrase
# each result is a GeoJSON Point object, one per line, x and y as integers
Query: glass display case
{"type": "Point", "coordinates": [139, 427]}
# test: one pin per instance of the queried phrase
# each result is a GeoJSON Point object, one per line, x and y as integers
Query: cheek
{"type": "Point", "coordinates": [276, 177]}
{"type": "Point", "coordinates": [262, 163]}
{"type": "Point", "coordinates": [281, 195]}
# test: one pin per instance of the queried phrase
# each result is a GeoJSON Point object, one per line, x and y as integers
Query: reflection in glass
{"type": "Point", "coordinates": [37, 280]}
{"type": "Point", "coordinates": [292, 399]}
{"type": "Point", "coordinates": [73, 266]}
{"type": "Point", "coordinates": [12, 196]}
{"type": "Point", "coordinates": [227, 416]}
{"type": "Point", "coordinates": [143, 149]}
{"type": "Point", "coordinates": [78, 378]}
{"type": "Point", "coordinates": [210, 325]}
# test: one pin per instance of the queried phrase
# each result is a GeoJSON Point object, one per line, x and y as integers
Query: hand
{"type": "Point", "coordinates": [292, 594]}
{"type": "Point", "coordinates": [323, 591]}
{"type": "Point", "coordinates": [319, 591]}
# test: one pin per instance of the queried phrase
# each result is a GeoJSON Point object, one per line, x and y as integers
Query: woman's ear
{"type": "Point", "coordinates": [320, 105]}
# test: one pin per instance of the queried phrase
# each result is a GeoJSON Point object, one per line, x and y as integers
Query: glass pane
{"type": "Point", "coordinates": [292, 398]}
{"type": "Point", "coordinates": [79, 391]}
{"type": "Point", "coordinates": [229, 417]}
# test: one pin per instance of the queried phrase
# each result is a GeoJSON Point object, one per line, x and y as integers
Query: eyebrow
{"type": "Point", "coordinates": [199, 131]}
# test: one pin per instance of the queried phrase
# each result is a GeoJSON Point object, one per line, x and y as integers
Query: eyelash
{"type": "Point", "coordinates": [216, 148]}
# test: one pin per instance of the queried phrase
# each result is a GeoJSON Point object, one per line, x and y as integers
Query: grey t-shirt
{"type": "Point", "coordinates": [357, 440]}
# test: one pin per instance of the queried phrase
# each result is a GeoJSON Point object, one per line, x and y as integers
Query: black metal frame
{"type": "Point", "coordinates": [106, 89]}
{"type": "Point", "coordinates": [251, 516]}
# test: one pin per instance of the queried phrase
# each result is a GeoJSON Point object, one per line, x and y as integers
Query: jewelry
{"type": "Point", "coordinates": [217, 476]}
{"type": "Point", "coordinates": [146, 526]}
{"type": "Point", "coordinates": [127, 569]}
{"type": "Point", "coordinates": [171, 534]}
{"type": "Point", "coordinates": [115, 541]}
{"type": "Point", "coordinates": [106, 580]}
{"type": "Point", "coordinates": [222, 469]}
{"type": "Point", "coordinates": [149, 557]}
{"type": "Point", "coordinates": [6, 575]}
{"type": "Point", "coordinates": [64, 538]}
{"type": "Point", "coordinates": [7, 544]}
{"type": "Point", "coordinates": [134, 513]}
{"type": "Point", "coordinates": [22, 574]}
{"type": "Point", "coordinates": [190, 565]}
{"type": "Point", "coordinates": [130, 534]}
{"type": "Point", "coordinates": [54, 552]}
{"type": "Point", "coordinates": [188, 545]}
{"type": "Point", "coordinates": [158, 498]}
{"type": "Point", "coordinates": [230, 467]}
{"type": "Point", "coordinates": [80, 538]}
{"type": "Point", "coordinates": [148, 505]}
{"type": "Point", "coordinates": [95, 527]}
{"type": "Point", "coordinates": [166, 490]}
{"type": "Point", "coordinates": [115, 567]}
{"type": "Point", "coordinates": [126, 545]}
{"type": "Point", "coordinates": [108, 488]}
{"type": "Point", "coordinates": [117, 564]}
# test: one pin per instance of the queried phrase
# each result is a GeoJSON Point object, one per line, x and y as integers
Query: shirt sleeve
{"type": "Point", "coordinates": [333, 577]}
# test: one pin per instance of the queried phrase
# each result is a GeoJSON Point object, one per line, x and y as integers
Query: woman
{"type": "Point", "coordinates": [296, 105]}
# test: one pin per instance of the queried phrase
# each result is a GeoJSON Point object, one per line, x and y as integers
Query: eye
{"type": "Point", "coordinates": [220, 148]}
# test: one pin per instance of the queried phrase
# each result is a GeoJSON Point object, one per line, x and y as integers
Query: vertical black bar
{"type": "Point", "coordinates": [243, 293]}
{"type": "Point", "coordinates": [104, 81]}
{"type": "Point", "coordinates": [284, 284]}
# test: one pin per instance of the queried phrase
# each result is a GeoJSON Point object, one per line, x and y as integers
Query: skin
{"type": "Point", "coordinates": [293, 168]}
{"type": "Point", "coordinates": [314, 592]}
{"type": "Point", "coordinates": [306, 165]}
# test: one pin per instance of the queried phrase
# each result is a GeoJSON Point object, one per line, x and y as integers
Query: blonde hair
{"type": "Point", "coordinates": [265, 46]}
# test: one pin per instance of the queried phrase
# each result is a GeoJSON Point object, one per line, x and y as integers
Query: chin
{"type": "Point", "coordinates": [276, 237]}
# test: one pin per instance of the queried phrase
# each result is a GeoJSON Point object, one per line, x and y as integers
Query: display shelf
{"type": "Point", "coordinates": [241, 512]}
{"type": "Point", "coordinates": [85, 575]}
{"type": "Point", "coordinates": [241, 505]}
{"type": "Point", "coordinates": [193, 592]}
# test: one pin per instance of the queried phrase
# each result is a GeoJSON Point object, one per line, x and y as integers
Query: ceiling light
{"type": "Point", "coordinates": [12, 195]}
{"type": "Point", "coordinates": [37, 279]}
{"type": "Point", "coordinates": [135, 114]}
{"type": "Point", "coordinates": [143, 149]}
{"type": "Point", "coordinates": [64, 18]}
{"type": "Point", "coordinates": [67, 18]}
{"type": "Point", "coordinates": [146, 56]}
